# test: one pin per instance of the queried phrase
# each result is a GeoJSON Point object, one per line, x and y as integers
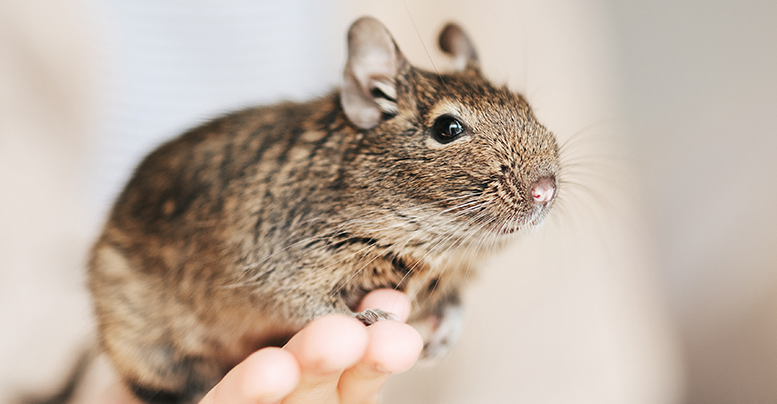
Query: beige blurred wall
{"type": "Point", "coordinates": [49, 87]}
{"type": "Point", "coordinates": [701, 96]}
{"type": "Point", "coordinates": [654, 281]}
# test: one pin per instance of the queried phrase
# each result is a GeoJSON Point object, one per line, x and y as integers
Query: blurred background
{"type": "Point", "coordinates": [655, 281]}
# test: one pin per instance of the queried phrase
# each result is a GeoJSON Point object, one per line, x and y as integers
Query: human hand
{"type": "Point", "coordinates": [333, 360]}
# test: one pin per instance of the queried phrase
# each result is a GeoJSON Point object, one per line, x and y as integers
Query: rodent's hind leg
{"type": "Point", "coordinates": [152, 396]}
{"type": "Point", "coordinates": [369, 317]}
{"type": "Point", "coordinates": [190, 395]}
{"type": "Point", "coordinates": [188, 379]}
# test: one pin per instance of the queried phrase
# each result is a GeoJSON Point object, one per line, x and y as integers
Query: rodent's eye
{"type": "Point", "coordinates": [446, 129]}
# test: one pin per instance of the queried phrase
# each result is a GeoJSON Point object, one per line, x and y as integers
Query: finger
{"type": "Point", "coordinates": [392, 301]}
{"type": "Point", "coordinates": [323, 349]}
{"type": "Point", "coordinates": [265, 377]}
{"type": "Point", "coordinates": [393, 348]}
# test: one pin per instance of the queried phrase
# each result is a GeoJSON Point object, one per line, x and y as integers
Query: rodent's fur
{"type": "Point", "coordinates": [236, 234]}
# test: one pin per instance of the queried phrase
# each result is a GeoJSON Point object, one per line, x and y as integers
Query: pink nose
{"type": "Point", "coordinates": [543, 190]}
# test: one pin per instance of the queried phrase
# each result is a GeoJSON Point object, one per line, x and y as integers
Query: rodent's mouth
{"type": "Point", "coordinates": [530, 220]}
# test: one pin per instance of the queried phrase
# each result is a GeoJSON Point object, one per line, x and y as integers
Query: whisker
{"type": "Point", "coordinates": [411, 269]}
{"type": "Point", "coordinates": [461, 243]}
{"type": "Point", "coordinates": [445, 240]}
{"type": "Point", "coordinates": [577, 137]}
{"type": "Point", "coordinates": [329, 232]}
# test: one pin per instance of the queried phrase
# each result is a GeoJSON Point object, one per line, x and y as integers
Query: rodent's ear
{"type": "Point", "coordinates": [455, 42]}
{"type": "Point", "coordinates": [369, 89]}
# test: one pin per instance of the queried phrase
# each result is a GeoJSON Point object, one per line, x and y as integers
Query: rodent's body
{"type": "Point", "coordinates": [240, 232]}
{"type": "Point", "coordinates": [236, 234]}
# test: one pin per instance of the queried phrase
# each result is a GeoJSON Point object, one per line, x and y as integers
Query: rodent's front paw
{"type": "Point", "coordinates": [446, 331]}
{"type": "Point", "coordinates": [369, 317]}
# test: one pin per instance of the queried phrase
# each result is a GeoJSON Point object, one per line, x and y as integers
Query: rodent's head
{"type": "Point", "coordinates": [450, 154]}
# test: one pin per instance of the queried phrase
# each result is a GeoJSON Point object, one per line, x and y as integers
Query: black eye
{"type": "Point", "coordinates": [446, 129]}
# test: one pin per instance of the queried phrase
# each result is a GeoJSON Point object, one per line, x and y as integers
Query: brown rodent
{"type": "Point", "coordinates": [236, 234]}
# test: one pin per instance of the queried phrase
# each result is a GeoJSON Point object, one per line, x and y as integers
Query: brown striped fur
{"type": "Point", "coordinates": [234, 235]}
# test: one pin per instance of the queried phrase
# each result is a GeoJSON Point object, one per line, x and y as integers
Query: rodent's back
{"type": "Point", "coordinates": [204, 172]}
{"type": "Point", "coordinates": [197, 212]}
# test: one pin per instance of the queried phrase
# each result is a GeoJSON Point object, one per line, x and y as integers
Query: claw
{"type": "Point", "coordinates": [369, 317]}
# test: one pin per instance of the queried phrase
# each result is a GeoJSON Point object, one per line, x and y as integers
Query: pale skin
{"type": "Point", "coordinates": [333, 360]}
